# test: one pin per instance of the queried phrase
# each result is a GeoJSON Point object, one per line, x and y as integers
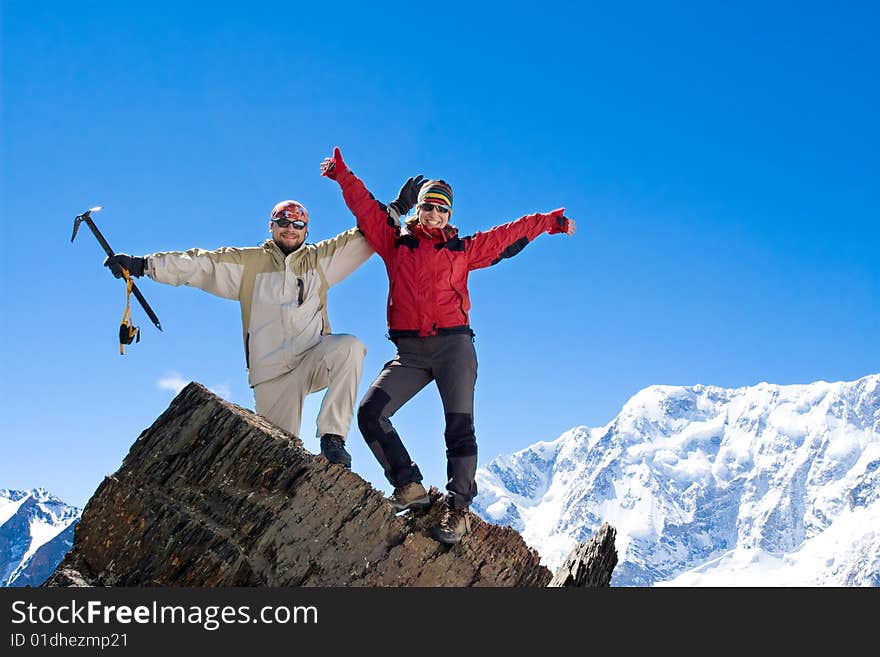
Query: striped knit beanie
{"type": "Point", "coordinates": [436, 191]}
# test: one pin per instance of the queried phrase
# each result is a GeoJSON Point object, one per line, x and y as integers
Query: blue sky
{"type": "Point", "coordinates": [721, 163]}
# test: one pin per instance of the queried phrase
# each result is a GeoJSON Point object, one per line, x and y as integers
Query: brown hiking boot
{"type": "Point", "coordinates": [454, 523]}
{"type": "Point", "coordinates": [410, 496]}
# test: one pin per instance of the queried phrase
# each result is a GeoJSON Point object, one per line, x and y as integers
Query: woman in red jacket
{"type": "Point", "coordinates": [428, 303]}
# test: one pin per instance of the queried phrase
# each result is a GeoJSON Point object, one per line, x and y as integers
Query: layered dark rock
{"type": "Point", "coordinates": [214, 495]}
{"type": "Point", "coordinates": [590, 563]}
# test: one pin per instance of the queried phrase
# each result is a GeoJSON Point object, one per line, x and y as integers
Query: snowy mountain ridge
{"type": "Point", "coordinates": [764, 485]}
{"type": "Point", "coordinates": [36, 531]}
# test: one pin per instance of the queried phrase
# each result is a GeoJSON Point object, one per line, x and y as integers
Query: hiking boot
{"type": "Point", "coordinates": [454, 523]}
{"type": "Point", "coordinates": [410, 496]}
{"type": "Point", "coordinates": [333, 449]}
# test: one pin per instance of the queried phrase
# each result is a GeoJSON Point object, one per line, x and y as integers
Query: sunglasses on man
{"type": "Point", "coordinates": [442, 209]}
{"type": "Point", "coordinates": [299, 224]}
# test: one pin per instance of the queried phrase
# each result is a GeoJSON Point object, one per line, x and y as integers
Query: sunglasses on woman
{"type": "Point", "coordinates": [442, 209]}
{"type": "Point", "coordinates": [299, 224]}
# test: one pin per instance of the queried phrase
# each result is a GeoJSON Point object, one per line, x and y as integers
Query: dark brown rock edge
{"type": "Point", "coordinates": [591, 563]}
{"type": "Point", "coordinates": [214, 495]}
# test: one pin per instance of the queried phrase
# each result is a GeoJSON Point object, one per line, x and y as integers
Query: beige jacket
{"type": "Point", "coordinates": [283, 300]}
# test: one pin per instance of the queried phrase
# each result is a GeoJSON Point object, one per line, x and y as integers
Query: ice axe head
{"type": "Point", "coordinates": [81, 217]}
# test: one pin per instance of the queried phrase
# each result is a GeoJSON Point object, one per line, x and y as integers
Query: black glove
{"type": "Point", "coordinates": [408, 195]}
{"type": "Point", "coordinates": [133, 264]}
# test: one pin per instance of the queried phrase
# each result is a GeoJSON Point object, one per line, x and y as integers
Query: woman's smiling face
{"type": "Point", "coordinates": [432, 215]}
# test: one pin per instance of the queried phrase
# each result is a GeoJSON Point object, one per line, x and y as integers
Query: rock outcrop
{"type": "Point", "coordinates": [214, 495]}
{"type": "Point", "coordinates": [590, 563]}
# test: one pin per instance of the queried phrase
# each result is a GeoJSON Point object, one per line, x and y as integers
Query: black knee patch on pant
{"type": "Point", "coordinates": [460, 438]}
{"type": "Point", "coordinates": [370, 413]}
{"type": "Point", "coordinates": [383, 440]}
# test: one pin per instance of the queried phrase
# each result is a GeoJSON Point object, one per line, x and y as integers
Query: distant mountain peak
{"type": "Point", "coordinates": [36, 531]}
{"type": "Point", "coordinates": [692, 475]}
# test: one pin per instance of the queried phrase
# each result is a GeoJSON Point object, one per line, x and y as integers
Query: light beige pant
{"type": "Point", "coordinates": [335, 363]}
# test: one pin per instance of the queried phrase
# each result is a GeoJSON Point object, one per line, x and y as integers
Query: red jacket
{"type": "Point", "coordinates": [428, 268]}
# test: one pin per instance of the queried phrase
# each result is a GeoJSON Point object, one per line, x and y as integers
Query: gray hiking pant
{"type": "Point", "coordinates": [451, 361]}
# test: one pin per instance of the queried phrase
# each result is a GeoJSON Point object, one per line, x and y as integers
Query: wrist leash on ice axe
{"type": "Point", "coordinates": [127, 332]}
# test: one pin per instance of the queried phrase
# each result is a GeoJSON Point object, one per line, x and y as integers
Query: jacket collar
{"type": "Point", "coordinates": [270, 247]}
{"type": "Point", "coordinates": [432, 234]}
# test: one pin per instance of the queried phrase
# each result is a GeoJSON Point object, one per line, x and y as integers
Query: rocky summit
{"type": "Point", "coordinates": [214, 495]}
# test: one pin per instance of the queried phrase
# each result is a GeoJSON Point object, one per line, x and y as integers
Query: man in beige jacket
{"type": "Point", "coordinates": [281, 287]}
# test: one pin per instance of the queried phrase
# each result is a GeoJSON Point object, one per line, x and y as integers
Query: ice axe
{"type": "Point", "coordinates": [86, 217]}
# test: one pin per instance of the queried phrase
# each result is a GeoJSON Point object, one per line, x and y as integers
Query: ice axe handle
{"type": "Point", "coordinates": [137, 293]}
{"type": "Point", "coordinates": [91, 224]}
{"type": "Point", "coordinates": [140, 297]}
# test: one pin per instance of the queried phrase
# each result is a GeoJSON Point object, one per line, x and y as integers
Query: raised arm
{"type": "Point", "coordinates": [218, 272]}
{"type": "Point", "coordinates": [341, 255]}
{"type": "Point", "coordinates": [378, 222]}
{"type": "Point", "coordinates": [488, 248]}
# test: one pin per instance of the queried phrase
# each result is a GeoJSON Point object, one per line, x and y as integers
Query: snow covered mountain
{"type": "Point", "coordinates": [767, 485]}
{"type": "Point", "coordinates": [36, 531]}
